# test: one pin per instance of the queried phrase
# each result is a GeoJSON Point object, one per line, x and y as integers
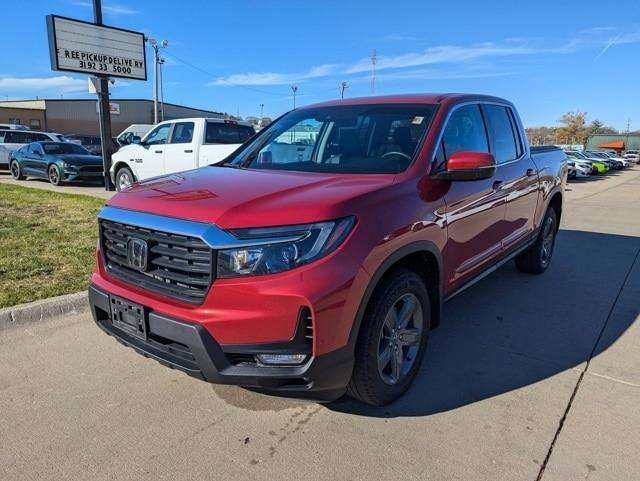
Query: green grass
{"type": "Point", "coordinates": [47, 243]}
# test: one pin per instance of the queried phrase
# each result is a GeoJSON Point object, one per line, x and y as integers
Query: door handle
{"type": "Point", "coordinates": [188, 151]}
{"type": "Point", "coordinates": [531, 172]}
{"type": "Point", "coordinates": [158, 151]}
{"type": "Point", "coordinates": [497, 184]}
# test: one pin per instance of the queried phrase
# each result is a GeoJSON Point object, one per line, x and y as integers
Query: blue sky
{"type": "Point", "coordinates": [548, 57]}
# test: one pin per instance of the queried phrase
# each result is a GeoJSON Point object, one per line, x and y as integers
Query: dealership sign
{"type": "Point", "coordinates": [83, 47]}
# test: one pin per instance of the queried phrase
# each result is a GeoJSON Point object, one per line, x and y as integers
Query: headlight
{"type": "Point", "coordinates": [64, 164]}
{"type": "Point", "coordinates": [300, 245]}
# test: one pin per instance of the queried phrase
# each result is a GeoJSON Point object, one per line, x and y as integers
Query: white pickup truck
{"type": "Point", "coordinates": [177, 145]}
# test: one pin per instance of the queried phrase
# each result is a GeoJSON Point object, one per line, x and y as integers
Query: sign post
{"type": "Point", "coordinates": [95, 49]}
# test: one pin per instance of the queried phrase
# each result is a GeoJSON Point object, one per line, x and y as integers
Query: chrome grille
{"type": "Point", "coordinates": [178, 266]}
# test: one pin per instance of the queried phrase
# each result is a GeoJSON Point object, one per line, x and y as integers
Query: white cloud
{"type": "Point", "coordinates": [113, 9]}
{"type": "Point", "coordinates": [272, 78]}
{"type": "Point", "coordinates": [61, 83]}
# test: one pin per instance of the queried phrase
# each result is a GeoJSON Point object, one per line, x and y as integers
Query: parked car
{"type": "Point", "coordinates": [620, 162]}
{"type": "Point", "coordinates": [578, 169]}
{"type": "Point", "coordinates": [632, 156]}
{"type": "Point", "coordinates": [92, 143]}
{"type": "Point", "coordinates": [601, 164]}
{"type": "Point", "coordinates": [325, 273]}
{"type": "Point", "coordinates": [11, 140]}
{"type": "Point", "coordinates": [57, 161]}
{"type": "Point", "coordinates": [128, 135]}
{"type": "Point", "coordinates": [593, 167]}
{"type": "Point", "coordinates": [177, 145]}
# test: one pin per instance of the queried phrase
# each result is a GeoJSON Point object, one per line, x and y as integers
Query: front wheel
{"type": "Point", "coordinates": [124, 178]}
{"type": "Point", "coordinates": [54, 174]}
{"type": "Point", "coordinates": [16, 171]}
{"type": "Point", "coordinates": [392, 339]}
{"type": "Point", "coordinates": [537, 258]}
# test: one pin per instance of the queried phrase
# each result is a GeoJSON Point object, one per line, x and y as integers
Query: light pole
{"type": "Point", "coordinates": [156, 61]}
{"type": "Point", "coordinates": [343, 86]}
{"type": "Point", "coordinates": [160, 64]}
{"type": "Point", "coordinates": [294, 89]}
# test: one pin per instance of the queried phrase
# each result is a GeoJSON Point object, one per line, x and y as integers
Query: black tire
{"type": "Point", "coordinates": [122, 174]}
{"type": "Point", "coordinates": [369, 383]}
{"type": "Point", "coordinates": [537, 258]}
{"type": "Point", "coordinates": [16, 171]}
{"type": "Point", "coordinates": [54, 175]}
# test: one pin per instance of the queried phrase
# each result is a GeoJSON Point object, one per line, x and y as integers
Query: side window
{"type": "Point", "coordinates": [501, 130]}
{"type": "Point", "coordinates": [227, 133]}
{"type": "Point", "coordinates": [39, 138]}
{"type": "Point", "coordinates": [182, 133]}
{"type": "Point", "coordinates": [15, 137]}
{"type": "Point", "coordinates": [159, 135]}
{"type": "Point", "coordinates": [34, 149]}
{"type": "Point", "coordinates": [465, 131]}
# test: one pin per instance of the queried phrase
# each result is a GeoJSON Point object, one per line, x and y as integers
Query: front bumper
{"type": "Point", "coordinates": [189, 347]}
{"type": "Point", "coordinates": [71, 175]}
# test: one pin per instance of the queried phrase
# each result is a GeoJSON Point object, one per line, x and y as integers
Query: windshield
{"type": "Point", "coordinates": [64, 148]}
{"type": "Point", "coordinates": [343, 139]}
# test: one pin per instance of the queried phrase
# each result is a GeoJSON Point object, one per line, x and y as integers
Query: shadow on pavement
{"type": "Point", "coordinates": [512, 329]}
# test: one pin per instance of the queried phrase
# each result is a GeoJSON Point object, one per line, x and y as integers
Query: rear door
{"type": "Point", "coordinates": [221, 138]}
{"type": "Point", "coordinates": [519, 172]}
{"type": "Point", "coordinates": [180, 153]}
{"type": "Point", "coordinates": [475, 210]}
{"type": "Point", "coordinates": [13, 140]}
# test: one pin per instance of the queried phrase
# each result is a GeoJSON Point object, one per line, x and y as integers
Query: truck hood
{"type": "Point", "coordinates": [234, 198]}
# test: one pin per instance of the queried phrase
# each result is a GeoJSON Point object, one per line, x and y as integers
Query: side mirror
{"type": "Point", "coordinates": [136, 140]}
{"type": "Point", "coordinates": [469, 166]}
{"type": "Point", "coordinates": [37, 153]}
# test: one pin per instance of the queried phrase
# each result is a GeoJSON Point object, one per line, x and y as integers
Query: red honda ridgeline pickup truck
{"type": "Point", "coordinates": [315, 259]}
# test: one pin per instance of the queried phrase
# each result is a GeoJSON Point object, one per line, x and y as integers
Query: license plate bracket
{"type": "Point", "coordinates": [129, 316]}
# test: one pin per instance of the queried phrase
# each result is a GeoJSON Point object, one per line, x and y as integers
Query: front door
{"type": "Point", "coordinates": [148, 159]}
{"type": "Point", "coordinates": [475, 210]}
{"type": "Point", "coordinates": [180, 153]}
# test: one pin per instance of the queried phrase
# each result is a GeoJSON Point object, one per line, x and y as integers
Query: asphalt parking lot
{"type": "Point", "coordinates": [527, 378]}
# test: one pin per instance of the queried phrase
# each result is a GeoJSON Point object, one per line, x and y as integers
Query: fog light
{"type": "Point", "coordinates": [282, 359]}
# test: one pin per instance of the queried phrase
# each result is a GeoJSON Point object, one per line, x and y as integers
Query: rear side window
{"type": "Point", "coordinates": [15, 137]}
{"type": "Point", "coordinates": [182, 133]}
{"type": "Point", "coordinates": [465, 131]}
{"type": "Point", "coordinates": [227, 133]}
{"type": "Point", "coordinates": [501, 131]}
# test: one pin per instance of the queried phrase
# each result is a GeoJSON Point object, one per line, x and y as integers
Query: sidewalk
{"type": "Point", "coordinates": [84, 189]}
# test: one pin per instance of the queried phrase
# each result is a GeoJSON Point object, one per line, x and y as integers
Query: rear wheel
{"type": "Point", "coordinates": [537, 258]}
{"type": "Point", "coordinates": [392, 339]}
{"type": "Point", "coordinates": [16, 171]}
{"type": "Point", "coordinates": [124, 178]}
{"type": "Point", "coordinates": [54, 174]}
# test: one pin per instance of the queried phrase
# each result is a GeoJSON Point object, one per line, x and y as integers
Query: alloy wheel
{"type": "Point", "coordinates": [399, 338]}
{"type": "Point", "coordinates": [54, 176]}
{"type": "Point", "coordinates": [548, 238]}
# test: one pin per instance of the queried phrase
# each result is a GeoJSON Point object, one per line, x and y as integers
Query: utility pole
{"type": "Point", "coordinates": [261, 111]}
{"type": "Point", "coordinates": [294, 89]}
{"type": "Point", "coordinates": [343, 86]}
{"type": "Point", "coordinates": [156, 60]}
{"type": "Point", "coordinates": [628, 125]}
{"type": "Point", "coordinates": [104, 110]}
{"type": "Point", "coordinates": [374, 61]}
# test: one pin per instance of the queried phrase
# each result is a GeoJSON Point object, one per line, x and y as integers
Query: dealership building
{"type": "Point", "coordinates": [618, 142]}
{"type": "Point", "coordinates": [79, 116]}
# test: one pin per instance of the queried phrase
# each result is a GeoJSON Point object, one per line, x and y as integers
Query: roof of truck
{"type": "Point", "coordinates": [423, 98]}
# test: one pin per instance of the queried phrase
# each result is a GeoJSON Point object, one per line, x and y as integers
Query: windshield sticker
{"type": "Point", "coordinates": [417, 120]}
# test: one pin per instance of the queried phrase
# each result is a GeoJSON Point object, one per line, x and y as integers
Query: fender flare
{"type": "Point", "coordinates": [383, 268]}
{"type": "Point", "coordinates": [117, 166]}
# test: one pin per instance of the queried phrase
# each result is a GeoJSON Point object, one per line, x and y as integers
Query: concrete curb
{"type": "Point", "coordinates": [43, 309]}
